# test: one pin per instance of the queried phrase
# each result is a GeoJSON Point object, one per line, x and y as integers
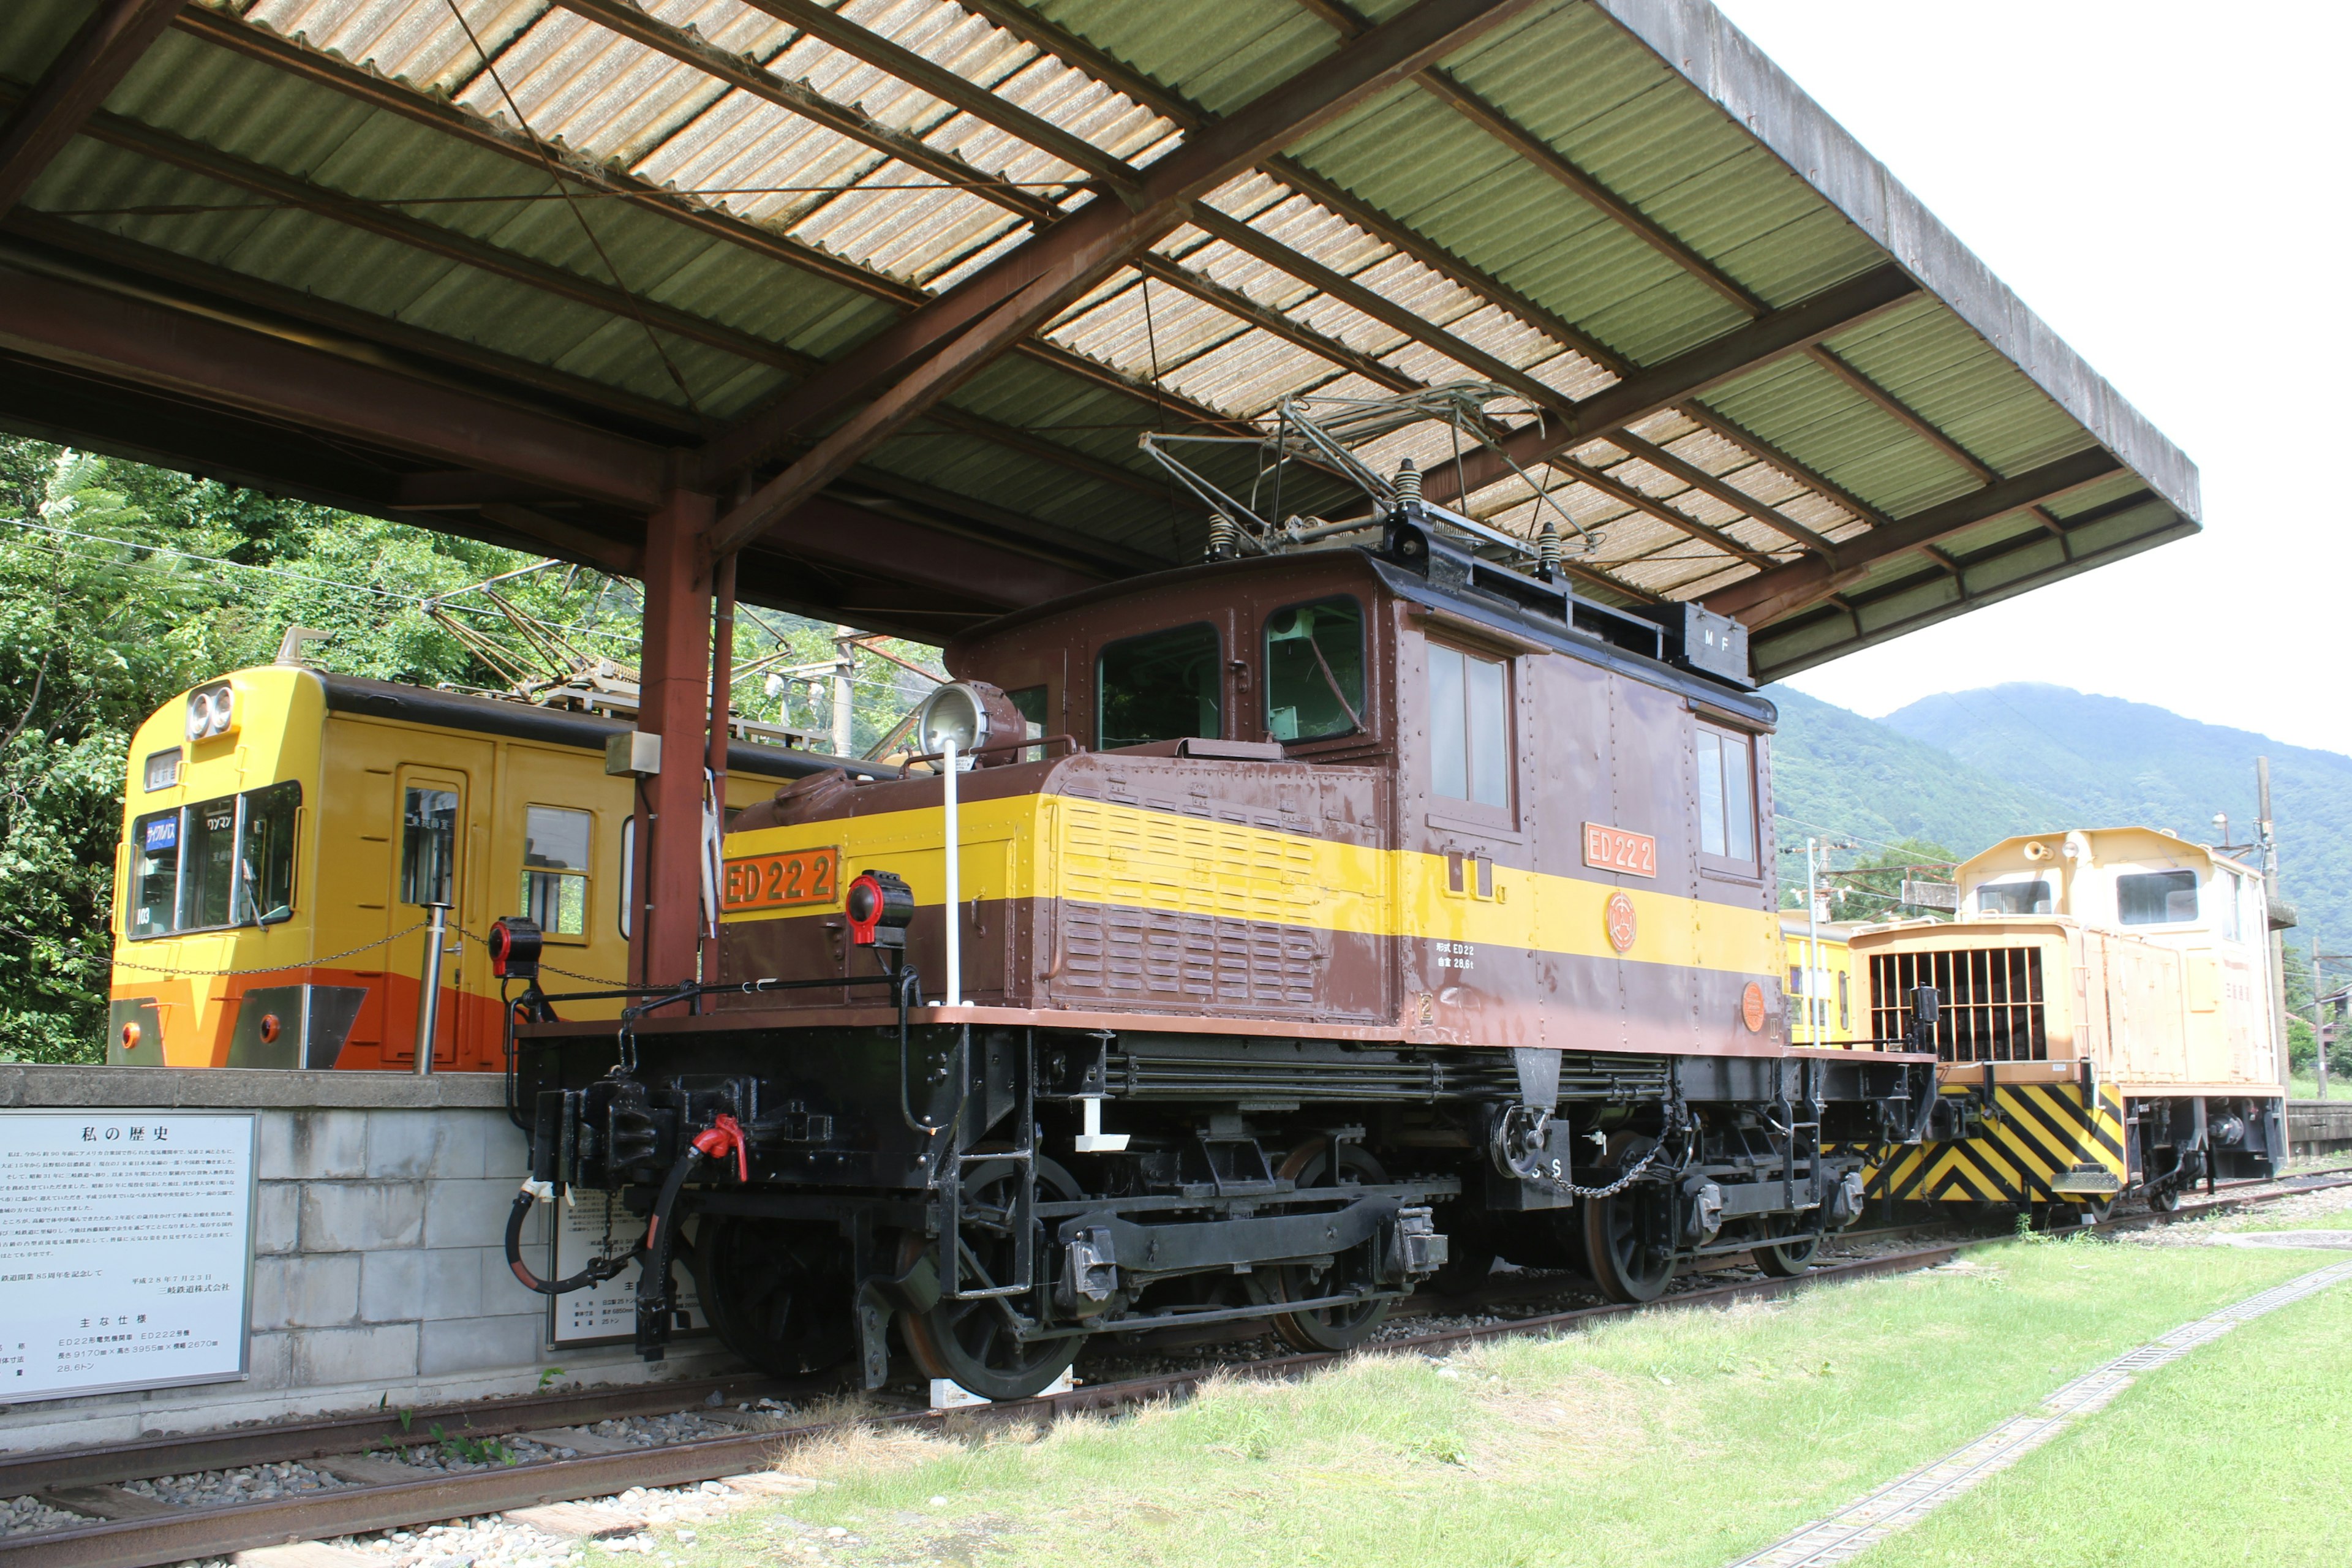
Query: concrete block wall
{"type": "Point", "coordinates": [379, 1252]}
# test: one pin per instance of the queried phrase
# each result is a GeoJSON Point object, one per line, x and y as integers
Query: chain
{"type": "Point", "coordinates": [568, 974]}
{"type": "Point", "coordinates": [145, 967]}
{"type": "Point", "coordinates": [1569, 1189]}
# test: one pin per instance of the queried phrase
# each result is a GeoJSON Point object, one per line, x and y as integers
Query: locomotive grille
{"type": "Point", "coordinates": [1992, 1001]}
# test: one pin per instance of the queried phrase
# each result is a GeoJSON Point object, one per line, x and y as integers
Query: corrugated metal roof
{"type": "Point", "coordinates": [692, 204]}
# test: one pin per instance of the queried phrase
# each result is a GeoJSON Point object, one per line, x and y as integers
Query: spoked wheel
{"type": "Point", "coordinates": [2164, 1197]}
{"type": "Point", "coordinates": [777, 1291]}
{"type": "Point", "coordinates": [972, 1340]}
{"type": "Point", "coordinates": [1788, 1259]}
{"type": "Point", "coordinates": [1328, 1328]}
{"type": "Point", "coordinates": [1626, 1244]}
{"type": "Point", "coordinates": [2097, 1210]}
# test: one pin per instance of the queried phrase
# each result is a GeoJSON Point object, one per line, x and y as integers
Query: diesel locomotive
{"type": "Point", "coordinates": [1255, 941]}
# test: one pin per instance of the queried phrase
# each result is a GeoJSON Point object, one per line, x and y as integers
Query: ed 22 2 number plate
{"type": "Point", "coordinates": [782, 880]}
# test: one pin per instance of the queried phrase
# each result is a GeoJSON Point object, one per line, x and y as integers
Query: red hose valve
{"type": "Point", "coordinates": [723, 1137]}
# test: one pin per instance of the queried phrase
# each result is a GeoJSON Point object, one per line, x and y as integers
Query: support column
{"type": "Point", "coordinates": [666, 927]}
{"type": "Point", "coordinates": [722, 714]}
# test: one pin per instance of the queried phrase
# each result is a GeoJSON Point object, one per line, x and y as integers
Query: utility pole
{"type": "Point", "coordinates": [2268, 839]}
{"type": "Point", "coordinates": [1812, 951]}
{"type": "Point", "coordinates": [2318, 1019]}
{"type": "Point", "coordinates": [843, 714]}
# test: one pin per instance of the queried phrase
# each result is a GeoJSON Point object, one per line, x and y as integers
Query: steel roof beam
{"type": "Point", "coordinates": [1812, 478]}
{"type": "Point", "coordinates": [1711, 363]}
{"type": "Point", "coordinates": [108, 335]}
{"type": "Point", "coordinates": [952, 338]}
{"type": "Point", "coordinates": [960, 92]}
{"type": "Point", "coordinates": [1050, 38]}
{"type": "Point", "coordinates": [1785, 591]}
{"type": "Point", "coordinates": [1721, 489]}
{"type": "Point", "coordinates": [94, 60]}
{"type": "Point", "coordinates": [1642, 500]}
{"type": "Point", "coordinates": [1910, 417]}
{"type": "Point", "coordinates": [1267, 318]}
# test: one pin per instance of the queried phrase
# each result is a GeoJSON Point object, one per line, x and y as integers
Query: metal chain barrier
{"type": "Point", "coordinates": [1570, 1190]}
{"type": "Point", "coordinates": [147, 968]}
{"type": "Point", "coordinates": [552, 969]}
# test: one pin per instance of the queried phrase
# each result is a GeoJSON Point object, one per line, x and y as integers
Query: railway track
{"type": "Point", "coordinates": [137, 1531]}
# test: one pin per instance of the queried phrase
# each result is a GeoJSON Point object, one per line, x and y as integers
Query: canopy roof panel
{"type": "Point", "coordinates": [902, 282]}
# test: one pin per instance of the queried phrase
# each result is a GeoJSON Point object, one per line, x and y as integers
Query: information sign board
{"type": "Point", "coordinates": [608, 1311]}
{"type": "Point", "coordinates": [126, 1250]}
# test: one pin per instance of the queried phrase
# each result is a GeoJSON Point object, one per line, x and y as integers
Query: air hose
{"type": "Point", "coordinates": [722, 1138]}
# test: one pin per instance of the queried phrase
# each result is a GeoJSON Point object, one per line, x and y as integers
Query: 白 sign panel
{"type": "Point", "coordinates": [126, 1248]}
{"type": "Point", "coordinates": [590, 1224]}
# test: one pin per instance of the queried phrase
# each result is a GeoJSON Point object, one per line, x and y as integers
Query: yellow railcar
{"type": "Point", "coordinates": [283, 830]}
{"type": "Point", "coordinates": [1825, 1006]}
{"type": "Point", "coordinates": [2107, 1024]}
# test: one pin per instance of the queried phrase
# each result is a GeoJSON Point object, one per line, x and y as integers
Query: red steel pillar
{"type": "Point", "coordinates": [667, 925]}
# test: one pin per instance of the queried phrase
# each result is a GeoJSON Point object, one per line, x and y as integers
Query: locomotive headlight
{"type": "Point", "coordinates": [954, 715]}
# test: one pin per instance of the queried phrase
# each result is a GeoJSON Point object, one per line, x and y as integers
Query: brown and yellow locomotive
{"type": "Point", "coordinates": [1268, 937]}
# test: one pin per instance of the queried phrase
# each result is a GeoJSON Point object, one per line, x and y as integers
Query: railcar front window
{"type": "Point", "coordinates": [208, 864]}
{"type": "Point", "coordinates": [2155, 898]}
{"type": "Point", "coordinates": [1469, 729]}
{"type": "Point", "coordinates": [1315, 670]}
{"type": "Point", "coordinates": [154, 873]}
{"type": "Point", "coordinates": [2014, 899]}
{"type": "Point", "coordinates": [1727, 796]}
{"type": "Point", "coordinates": [555, 868]}
{"type": "Point", "coordinates": [1162, 686]}
{"type": "Point", "coordinates": [265, 865]}
{"type": "Point", "coordinates": [428, 846]}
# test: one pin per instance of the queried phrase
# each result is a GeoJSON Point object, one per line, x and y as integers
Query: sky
{"type": "Point", "coordinates": [2164, 185]}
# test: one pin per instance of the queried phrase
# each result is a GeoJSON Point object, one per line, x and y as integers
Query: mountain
{"type": "Point", "coordinates": [1837, 775]}
{"type": "Point", "coordinates": [2108, 762]}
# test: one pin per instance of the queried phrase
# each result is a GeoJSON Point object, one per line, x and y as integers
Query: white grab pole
{"type": "Point", "coordinates": [955, 888]}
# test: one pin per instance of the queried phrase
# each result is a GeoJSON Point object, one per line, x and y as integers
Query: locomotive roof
{"type": "Point", "coordinates": [507, 275]}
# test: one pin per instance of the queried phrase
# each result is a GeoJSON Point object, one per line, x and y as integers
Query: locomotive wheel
{"type": "Point", "coordinates": [1615, 1236]}
{"type": "Point", "coordinates": [776, 1291]}
{"type": "Point", "coordinates": [972, 1341]}
{"type": "Point", "coordinates": [1788, 1259]}
{"type": "Point", "coordinates": [2164, 1197]}
{"type": "Point", "coordinates": [1328, 1328]}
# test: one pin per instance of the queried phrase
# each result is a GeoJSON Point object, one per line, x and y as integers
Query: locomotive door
{"type": "Point", "coordinates": [428, 867]}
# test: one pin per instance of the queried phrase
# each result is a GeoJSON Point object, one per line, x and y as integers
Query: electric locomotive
{"type": "Point", "coordinates": [1267, 937]}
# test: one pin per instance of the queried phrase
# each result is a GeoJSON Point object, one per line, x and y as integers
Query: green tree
{"type": "Point", "coordinates": [122, 585]}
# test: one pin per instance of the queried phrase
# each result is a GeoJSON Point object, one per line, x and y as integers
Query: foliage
{"type": "Point", "coordinates": [122, 585]}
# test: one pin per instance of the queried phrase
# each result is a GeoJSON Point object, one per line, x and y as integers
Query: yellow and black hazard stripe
{"type": "Point", "coordinates": [2041, 1145]}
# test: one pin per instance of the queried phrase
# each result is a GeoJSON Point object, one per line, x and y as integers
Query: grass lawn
{"type": "Point", "coordinates": [1682, 1439]}
{"type": "Point", "coordinates": [2236, 1453]}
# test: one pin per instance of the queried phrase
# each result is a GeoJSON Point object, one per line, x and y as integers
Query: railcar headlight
{"type": "Point", "coordinates": [212, 712]}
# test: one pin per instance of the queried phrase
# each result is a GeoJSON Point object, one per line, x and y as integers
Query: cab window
{"type": "Point", "coordinates": [2155, 898]}
{"type": "Point", "coordinates": [154, 873]}
{"type": "Point", "coordinates": [1161, 686]}
{"type": "Point", "coordinates": [1469, 727]}
{"type": "Point", "coordinates": [1727, 796]}
{"type": "Point", "coordinates": [224, 862]}
{"type": "Point", "coordinates": [1315, 670]}
{"type": "Point", "coordinates": [555, 868]}
{"type": "Point", "coordinates": [2028, 898]}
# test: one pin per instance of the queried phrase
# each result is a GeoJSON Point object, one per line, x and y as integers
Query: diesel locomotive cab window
{"type": "Point", "coordinates": [1030, 703]}
{"type": "Point", "coordinates": [1727, 796]}
{"type": "Point", "coordinates": [2014, 899]}
{"type": "Point", "coordinates": [222, 863]}
{"type": "Point", "coordinates": [555, 868]}
{"type": "Point", "coordinates": [2155, 898]}
{"type": "Point", "coordinates": [428, 846]}
{"type": "Point", "coordinates": [1469, 727]}
{"type": "Point", "coordinates": [1162, 686]}
{"type": "Point", "coordinates": [1315, 670]}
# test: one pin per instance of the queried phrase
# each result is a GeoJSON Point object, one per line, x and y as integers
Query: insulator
{"type": "Point", "coordinates": [1224, 538]}
{"type": "Point", "coordinates": [1408, 482]}
{"type": "Point", "coordinates": [1547, 549]}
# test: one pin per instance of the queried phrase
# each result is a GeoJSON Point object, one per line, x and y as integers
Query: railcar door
{"type": "Point", "coordinates": [429, 841]}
